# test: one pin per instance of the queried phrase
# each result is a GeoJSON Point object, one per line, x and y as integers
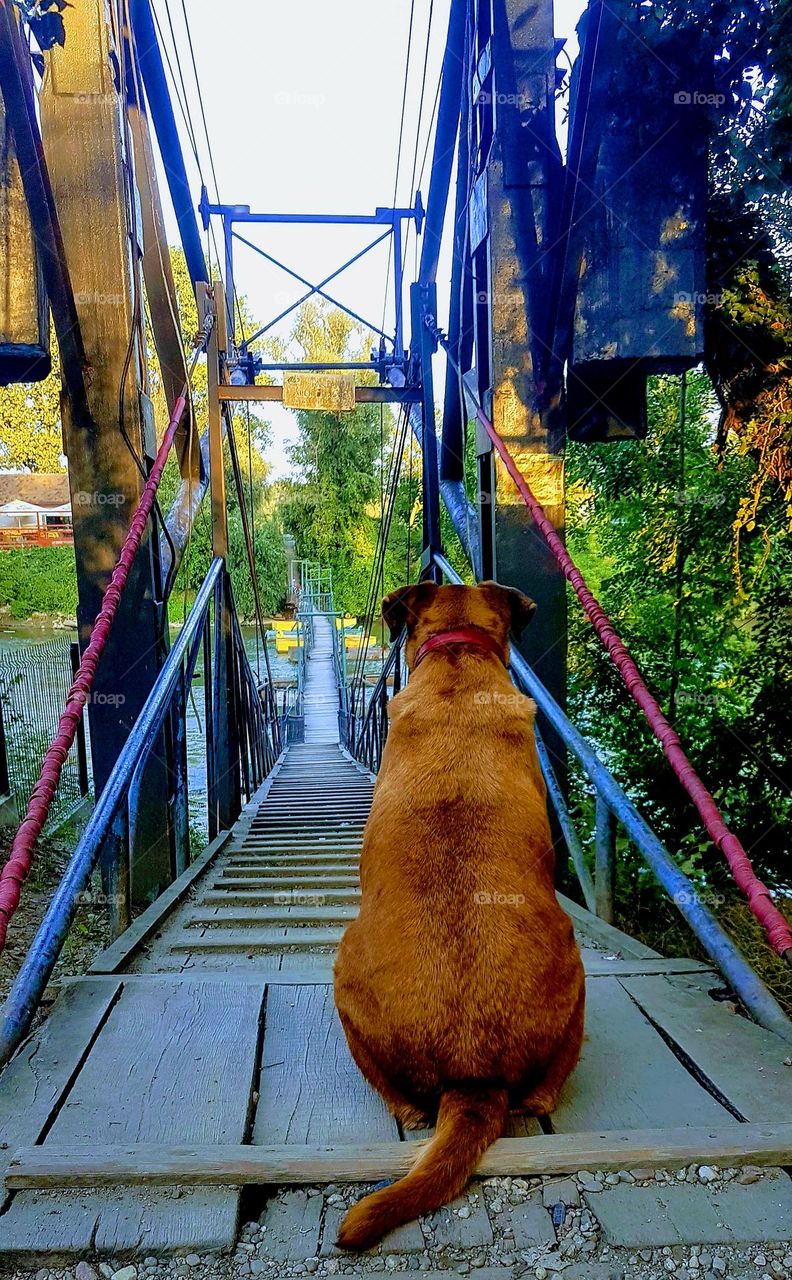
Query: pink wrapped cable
{"type": "Point", "coordinates": [20, 860]}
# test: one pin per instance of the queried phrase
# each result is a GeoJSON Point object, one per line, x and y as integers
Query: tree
{"type": "Point", "coordinates": [30, 426]}
{"type": "Point", "coordinates": [252, 434]}
{"type": "Point", "coordinates": [332, 506]}
{"type": "Point", "coordinates": [650, 525]}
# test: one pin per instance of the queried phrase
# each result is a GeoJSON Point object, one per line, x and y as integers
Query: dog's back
{"type": "Point", "coordinates": [461, 969]}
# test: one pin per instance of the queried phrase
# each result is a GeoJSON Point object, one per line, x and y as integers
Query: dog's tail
{"type": "Point", "coordinates": [470, 1118]}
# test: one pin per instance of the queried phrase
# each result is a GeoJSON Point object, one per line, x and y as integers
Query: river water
{"type": "Point", "coordinates": [31, 721]}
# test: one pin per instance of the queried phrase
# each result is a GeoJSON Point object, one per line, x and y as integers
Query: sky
{"type": "Point", "coordinates": [303, 107]}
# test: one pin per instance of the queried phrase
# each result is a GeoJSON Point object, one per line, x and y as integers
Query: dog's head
{"type": "Point", "coordinates": [426, 609]}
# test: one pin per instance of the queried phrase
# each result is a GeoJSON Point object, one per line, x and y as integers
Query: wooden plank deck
{"type": "Point", "coordinates": [203, 1051]}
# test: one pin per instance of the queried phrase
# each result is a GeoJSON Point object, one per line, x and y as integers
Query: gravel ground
{"type": "Point", "coordinates": [493, 1218]}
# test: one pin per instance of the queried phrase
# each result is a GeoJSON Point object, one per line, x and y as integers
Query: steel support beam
{"type": "Point", "coordinates": [515, 190]}
{"type": "Point", "coordinates": [423, 303]}
{"type": "Point", "coordinates": [82, 118]}
{"type": "Point", "coordinates": [16, 86]}
{"type": "Point", "coordinates": [149, 56]}
{"type": "Point", "coordinates": [448, 112]}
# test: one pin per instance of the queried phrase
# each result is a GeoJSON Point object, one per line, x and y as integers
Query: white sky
{"type": "Point", "coordinates": [303, 104]}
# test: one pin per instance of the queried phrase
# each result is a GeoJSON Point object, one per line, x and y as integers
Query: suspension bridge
{"type": "Point", "coordinates": [201, 1060]}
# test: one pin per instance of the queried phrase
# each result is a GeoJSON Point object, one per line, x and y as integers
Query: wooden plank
{"type": "Point", "coordinates": [288, 914]}
{"type": "Point", "coordinates": [251, 897]}
{"type": "Point", "coordinates": [627, 1076]}
{"type": "Point", "coordinates": [310, 1089]}
{"type": "Point", "coordinates": [363, 395]}
{"type": "Point", "coordinates": [173, 1063]}
{"type": "Point", "coordinates": [295, 1163]}
{"type": "Point", "coordinates": [609, 937]}
{"type": "Point", "coordinates": [253, 940]}
{"type": "Point", "coordinates": [596, 965]}
{"type": "Point", "coordinates": [306, 974]}
{"type": "Point", "coordinates": [44, 1066]}
{"type": "Point", "coordinates": [119, 953]}
{"type": "Point", "coordinates": [742, 1061]}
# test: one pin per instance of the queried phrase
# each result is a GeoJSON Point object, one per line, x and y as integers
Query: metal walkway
{"type": "Point", "coordinates": [204, 1048]}
{"type": "Point", "coordinates": [321, 688]}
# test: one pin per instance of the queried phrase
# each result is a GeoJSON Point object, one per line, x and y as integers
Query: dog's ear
{"type": "Point", "coordinates": [520, 608]}
{"type": "Point", "coordinates": [403, 605]}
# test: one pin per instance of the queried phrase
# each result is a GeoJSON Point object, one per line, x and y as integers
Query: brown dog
{"type": "Point", "coordinates": [460, 984]}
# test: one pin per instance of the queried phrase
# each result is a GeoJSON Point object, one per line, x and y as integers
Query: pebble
{"type": "Point", "coordinates": [588, 1181]}
{"type": "Point", "coordinates": [749, 1174]}
{"type": "Point", "coordinates": [612, 1179]}
{"type": "Point", "coordinates": [85, 1271]}
{"type": "Point", "coordinates": [193, 1260]}
{"type": "Point", "coordinates": [311, 1265]}
{"type": "Point", "coordinates": [719, 1265]}
{"type": "Point", "coordinates": [464, 1212]}
{"type": "Point", "coordinates": [706, 1173]}
{"type": "Point", "coordinates": [125, 1273]}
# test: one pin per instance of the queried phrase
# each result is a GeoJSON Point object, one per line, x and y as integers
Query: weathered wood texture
{"type": "Point", "coordinates": [173, 1063]}
{"type": "Point", "coordinates": [627, 1077]}
{"type": "Point", "coordinates": [158, 1164]}
{"type": "Point", "coordinates": [45, 1065]}
{"type": "Point", "coordinates": [311, 1091]}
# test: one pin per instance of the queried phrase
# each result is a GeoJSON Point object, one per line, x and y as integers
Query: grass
{"type": "Point", "coordinates": [663, 928]}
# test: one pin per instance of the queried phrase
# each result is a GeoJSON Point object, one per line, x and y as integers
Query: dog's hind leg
{"type": "Point", "coordinates": [542, 1098]}
{"type": "Point", "coordinates": [409, 1115]}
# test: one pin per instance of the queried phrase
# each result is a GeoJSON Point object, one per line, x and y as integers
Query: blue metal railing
{"type": "Point", "coordinates": [366, 737]}
{"type": "Point", "coordinates": [235, 767]}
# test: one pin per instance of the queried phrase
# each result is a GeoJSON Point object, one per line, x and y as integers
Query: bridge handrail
{"type": "Point", "coordinates": [612, 800]}
{"type": "Point", "coordinates": [114, 813]}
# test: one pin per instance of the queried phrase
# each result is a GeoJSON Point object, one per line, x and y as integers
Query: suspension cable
{"type": "Point", "coordinates": [378, 565]}
{"type": "Point", "coordinates": [758, 895]}
{"type": "Point", "coordinates": [20, 859]}
{"type": "Point", "coordinates": [397, 228]}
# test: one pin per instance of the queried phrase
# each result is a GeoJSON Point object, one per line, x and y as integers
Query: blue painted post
{"type": "Point", "coordinates": [423, 303]}
{"type": "Point", "coordinates": [605, 860]}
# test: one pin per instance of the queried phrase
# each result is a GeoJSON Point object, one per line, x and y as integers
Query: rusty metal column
{"type": "Point", "coordinates": [225, 792]}
{"type": "Point", "coordinates": [82, 125]}
{"type": "Point", "coordinates": [512, 103]}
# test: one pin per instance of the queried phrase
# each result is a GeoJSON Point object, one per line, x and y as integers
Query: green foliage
{"type": "Point", "coordinates": [38, 580]}
{"type": "Point", "coordinates": [252, 434]}
{"type": "Point", "coordinates": [650, 524]}
{"type": "Point", "coordinates": [30, 430]}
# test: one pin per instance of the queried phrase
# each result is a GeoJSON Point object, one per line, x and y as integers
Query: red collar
{"type": "Point", "coordinates": [470, 636]}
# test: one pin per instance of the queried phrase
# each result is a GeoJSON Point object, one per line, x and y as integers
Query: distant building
{"type": "Point", "coordinates": [35, 510]}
